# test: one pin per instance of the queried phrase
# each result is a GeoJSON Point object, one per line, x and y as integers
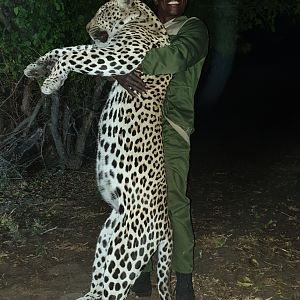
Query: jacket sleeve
{"type": "Point", "coordinates": [188, 47]}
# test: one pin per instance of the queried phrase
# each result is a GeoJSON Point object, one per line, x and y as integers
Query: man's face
{"type": "Point", "coordinates": [169, 9]}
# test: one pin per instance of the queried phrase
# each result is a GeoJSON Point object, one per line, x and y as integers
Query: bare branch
{"type": "Point", "coordinates": [13, 92]}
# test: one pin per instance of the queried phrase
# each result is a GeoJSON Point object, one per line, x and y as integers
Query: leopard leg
{"type": "Point", "coordinates": [100, 263]}
{"type": "Point", "coordinates": [124, 263]}
{"type": "Point", "coordinates": [164, 267]}
{"type": "Point", "coordinates": [56, 79]}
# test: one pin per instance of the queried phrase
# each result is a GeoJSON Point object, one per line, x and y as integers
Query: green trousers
{"type": "Point", "coordinates": [177, 155]}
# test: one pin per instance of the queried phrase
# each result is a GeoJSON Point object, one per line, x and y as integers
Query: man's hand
{"type": "Point", "coordinates": [132, 82]}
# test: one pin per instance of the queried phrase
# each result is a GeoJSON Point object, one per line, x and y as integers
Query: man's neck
{"type": "Point", "coordinates": [165, 19]}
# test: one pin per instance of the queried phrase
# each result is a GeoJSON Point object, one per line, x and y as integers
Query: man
{"type": "Point", "coordinates": [184, 59]}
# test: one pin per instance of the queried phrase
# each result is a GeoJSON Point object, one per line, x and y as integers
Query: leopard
{"type": "Point", "coordinates": [130, 170]}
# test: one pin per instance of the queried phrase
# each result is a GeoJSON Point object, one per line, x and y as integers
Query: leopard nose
{"type": "Point", "coordinates": [100, 35]}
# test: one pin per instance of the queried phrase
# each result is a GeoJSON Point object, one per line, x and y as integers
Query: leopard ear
{"type": "Point", "coordinates": [125, 4]}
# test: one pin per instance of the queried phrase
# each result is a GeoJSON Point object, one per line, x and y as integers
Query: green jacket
{"type": "Point", "coordinates": [184, 59]}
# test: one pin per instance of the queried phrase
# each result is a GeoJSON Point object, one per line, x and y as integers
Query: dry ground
{"type": "Point", "coordinates": [246, 215]}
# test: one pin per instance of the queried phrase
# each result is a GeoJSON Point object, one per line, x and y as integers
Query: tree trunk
{"type": "Point", "coordinates": [27, 95]}
{"type": "Point", "coordinates": [89, 117]}
{"type": "Point", "coordinates": [54, 127]}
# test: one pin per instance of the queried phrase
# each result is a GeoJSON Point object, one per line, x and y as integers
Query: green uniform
{"type": "Point", "coordinates": [184, 59]}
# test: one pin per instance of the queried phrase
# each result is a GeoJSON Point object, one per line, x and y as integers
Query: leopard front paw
{"type": "Point", "coordinates": [39, 68]}
{"type": "Point", "coordinates": [34, 70]}
{"type": "Point", "coordinates": [51, 85]}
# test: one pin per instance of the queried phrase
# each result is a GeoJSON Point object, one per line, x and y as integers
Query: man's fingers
{"type": "Point", "coordinates": [137, 86]}
{"type": "Point", "coordinates": [132, 82]}
{"type": "Point", "coordinates": [137, 83]}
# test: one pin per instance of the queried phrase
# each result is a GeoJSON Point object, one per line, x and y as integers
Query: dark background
{"type": "Point", "coordinates": [261, 95]}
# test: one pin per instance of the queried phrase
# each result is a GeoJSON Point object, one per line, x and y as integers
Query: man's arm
{"type": "Point", "coordinates": [188, 47]}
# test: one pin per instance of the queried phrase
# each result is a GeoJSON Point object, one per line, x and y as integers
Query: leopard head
{"type": "Point", "coordinates": [110, 15]}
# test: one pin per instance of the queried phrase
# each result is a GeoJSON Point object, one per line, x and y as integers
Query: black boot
{"type": "Point", "coordinates": [142, 286]}
{"type": "Point", "coordinates": [184, 287]}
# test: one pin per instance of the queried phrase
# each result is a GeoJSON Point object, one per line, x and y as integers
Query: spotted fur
{"type": "Point", "coordinates": [130, 162]}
